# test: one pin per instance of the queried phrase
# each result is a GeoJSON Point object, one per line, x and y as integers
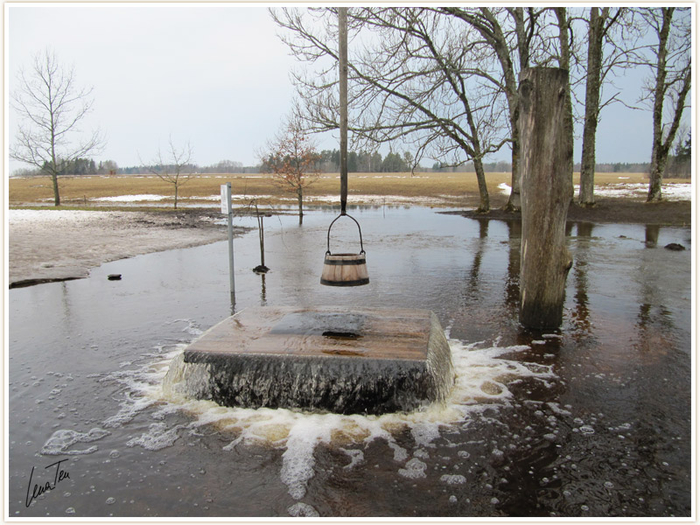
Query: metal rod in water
{"type": "Point", "coordinates": [343, 79]}
{"type": "Point", "coordinates": [232, 281]}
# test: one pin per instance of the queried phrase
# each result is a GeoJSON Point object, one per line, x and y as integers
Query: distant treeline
{"type": "Point", "coordinates": [505, 167]}
{"type": "Point", "coordinates": [224, 166]}
{"type": "Point", "coordinates": [366, 162]}
{"type": "Point", "coordinates": [76, 167]}
{"type": "Point", "coordinates": [679, 165]}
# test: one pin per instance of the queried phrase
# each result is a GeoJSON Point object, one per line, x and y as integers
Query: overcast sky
{"type": "Point", "coordinates": [214, 75]}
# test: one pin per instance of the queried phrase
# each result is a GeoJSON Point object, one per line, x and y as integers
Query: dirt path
{"type": "Point", "coordinates": [55, 245]}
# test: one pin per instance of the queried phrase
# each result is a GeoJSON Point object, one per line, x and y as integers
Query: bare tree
{"type": "Point", "coordinates": [611, 42]}
{"type": "Point", "coordinates": [292, 159]}
{"type": "Point", "coordinates": [410, 84]}
{"type": "Point", "coordinates": [511, 35]}
{"type": "Point", "coordinates": [670, 83]}
{"type": "Point", "coordinates": [565, 56]}
{"type": "Point", "coordinates": [175, 167]}
{"type": "Point", "coordinates": [50, 107]}
{"type": "Point", "coordinates": [430, 93]}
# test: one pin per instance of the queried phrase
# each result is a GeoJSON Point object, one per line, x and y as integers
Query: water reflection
{"type": "Point", "coordinates": [651, 233]}
{"type": "Point", "coordinates": [655, 321]}
{"type": "Point", "coordinates": [512, 282]}
{"type": "Point", "coordinates": [473, 288]}
{"type": "Point", "coordinates": [580, 313]}
{"type": "Point", "coordinates": [593, 420]}
{"type": "Point", "coordinates": [263, 292]}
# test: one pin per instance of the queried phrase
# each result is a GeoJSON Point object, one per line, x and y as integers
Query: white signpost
{"type": "Point", "coordinates": [226, 208]}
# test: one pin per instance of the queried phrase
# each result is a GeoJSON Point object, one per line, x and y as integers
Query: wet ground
{"type": "Point", "coordinates": [591, 420]}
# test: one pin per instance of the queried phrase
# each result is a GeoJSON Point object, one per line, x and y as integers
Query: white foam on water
{"type": "Point", "coordinates": [191, 327]}
{"type": "Point", "coordinates": [425, 433]}
{"type": "Point", "coordinates": [482, 379]}
{"type": "Point", "coordinates": [158, 437]}
{"type": "Point", "coordinates": [453, 479]}
{"type": "Point", "coordinates": [357, 457]}
{"type": "Point", "coordinates": [400, 453]}
{"type": "Point", "coordinates": [60, 442]}
{"type": "Point", "coordinates": [298, 460]}
{"type": "Point", "coordinates": [141, 386]}
{"type": "Point", "coordinates": [302, 510]}
{"type": "Point", "coordinates": [414, 469]}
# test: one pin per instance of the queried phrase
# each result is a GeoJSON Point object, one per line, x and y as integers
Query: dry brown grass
{"type": "Point", "coordinates": [455, 187]}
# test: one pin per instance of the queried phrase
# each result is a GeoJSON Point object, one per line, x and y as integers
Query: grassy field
{"type": "Point", "coordinates": [438, 188]}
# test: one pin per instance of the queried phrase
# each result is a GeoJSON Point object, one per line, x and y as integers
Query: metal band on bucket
{"type": "Point", "coordinates": [357, 282]}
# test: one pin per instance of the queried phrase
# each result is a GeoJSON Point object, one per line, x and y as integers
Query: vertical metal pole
{"type": "Point", "coordinates": [343, 81]}
{"type": "Point", "coordinates": [232, 282]}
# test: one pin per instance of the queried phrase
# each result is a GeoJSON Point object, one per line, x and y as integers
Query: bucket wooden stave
{"type": "Point", "coordinates": [345, 269]}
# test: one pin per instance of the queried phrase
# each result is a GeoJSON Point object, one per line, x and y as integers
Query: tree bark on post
{"type": "Point", "coordinates": [546, 189]}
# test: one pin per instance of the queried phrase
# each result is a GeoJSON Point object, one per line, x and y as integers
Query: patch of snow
{"type": "Point", "coordinates": [682, 191]}
{"type": "Point", "coordinates": [234, 197]}
{"type": "Point", "coordinates": [376, 199]}
{"type": "Point", "coordinates": [671, 191]}
{"type": "Point", "coordinates": [504, 188]}
{"type": "Point", "coordinates": [62, 216]}
{"type": "Point", "coordinates": [132, 198]}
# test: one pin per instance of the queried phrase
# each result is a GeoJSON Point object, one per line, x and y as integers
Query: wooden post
{"type": "Point", "coordinates": [343, 80]}
{"type": "Point", "coordinates": [546, 188]}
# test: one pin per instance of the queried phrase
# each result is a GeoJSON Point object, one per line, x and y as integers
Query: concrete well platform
{"type": "Point", "coordinates": [359, 360]}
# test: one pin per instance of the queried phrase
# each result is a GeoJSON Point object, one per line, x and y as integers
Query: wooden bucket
{"type": "Point", "coordinates": [344, 269]}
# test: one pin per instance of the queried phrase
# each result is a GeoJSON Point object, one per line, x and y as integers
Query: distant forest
{"type": "Point", "coordinates": [679, 165]}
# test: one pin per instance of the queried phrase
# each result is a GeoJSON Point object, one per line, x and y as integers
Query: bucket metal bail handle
{"type": "Point", "coordinates": [328, 241]}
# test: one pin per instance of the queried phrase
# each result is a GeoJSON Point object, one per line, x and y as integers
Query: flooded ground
{"type": "Point", "coordinates": [591, 420]}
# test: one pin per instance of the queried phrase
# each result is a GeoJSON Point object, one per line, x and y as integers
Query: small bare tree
{"type": "Point", "coordinates": [50, 107]}
{"type": "Point", "coordinates": [669, 84]}
{"type": "Point", "coordinates": [292, 160]}
{"type": "Point", "coordinates": [175, 167]}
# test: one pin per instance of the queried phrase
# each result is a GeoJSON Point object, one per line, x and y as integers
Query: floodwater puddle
{"type": "Point", "coordinates": [593, 419]}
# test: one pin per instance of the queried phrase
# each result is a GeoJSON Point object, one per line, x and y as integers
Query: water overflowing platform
{"type": "Point", "coordinates": [359, 360]}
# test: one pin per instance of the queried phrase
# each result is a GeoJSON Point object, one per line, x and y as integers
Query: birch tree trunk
{"type": "Point", "coordinates": [680, 82]}
{"type": "Point", "coordinates": [658, 160]}
{"type": "Point", "coordinates": [593, 80]}
{"type": "Point", "coordinates": [564, 23]}
{"type": "Point", "coordinates": [546, 189]}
